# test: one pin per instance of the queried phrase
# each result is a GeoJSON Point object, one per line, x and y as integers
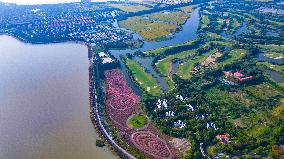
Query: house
{"type": "Point", "coordinates": [211, 125]}
{"type": "Point", "coordinates": [107, 60]}
{"type": "Point", "coordinates": [237, 76]}
{"type": "Point", "coordinates": [180, 97]}
{"type": "Point", "coordinates": [102, 54]}
{"type": "Point", "coordinates": [162, 104]}
{"type": "Point", "coordinates": [180, 124]}
{"type": "Point", "coordinates": [199, 116]}
{"type": "Point", "coordinates": [170, 114]}
{"type": "Point", "coordinates": [189, 107]}
{"type": "Point", "coordinates": [223, 138]}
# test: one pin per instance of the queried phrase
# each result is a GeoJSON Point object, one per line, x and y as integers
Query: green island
{"type": "Point", "coordinates": [137, 121]}
{"type": "Point", "coordinates": [156, 26]}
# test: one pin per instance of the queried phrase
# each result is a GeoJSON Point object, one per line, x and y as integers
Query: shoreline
{"type": "Point", "coordinates": [93, 108]}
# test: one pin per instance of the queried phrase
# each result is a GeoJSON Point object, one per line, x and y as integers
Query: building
{"type": "Point", "coordinates": [223, 138]}
{"type": "Point", "coordinates": [237, 77]}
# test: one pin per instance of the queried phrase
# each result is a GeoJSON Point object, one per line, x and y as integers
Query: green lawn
{"type": "Point", "coordinates": [137, 121]}
{"type": "Point", "coordinates": [155, 26]}
{"type": "Point", "coordinates": [176, 17]}
{"type": "Point", "coordinates": [159, 51]}
{"type": "Point", "coordinates": [145, 80]}
{"type": "Point", "coordinates": [204, 21]}
{"type": "Point", "coordinates": [234, 25]}
{"type": "Point", "coordinates": [273, 51]}
{"type": "Point", "coordinates": [164, 66]}
{"type": "Point", "coordinates": [148, 29]}
{"type": "Point", "coordinates": [233, 56]}
{"type": "Point", "coordinates": [277, 68]}
{"type": "Point", "coordinates": [186, 67]}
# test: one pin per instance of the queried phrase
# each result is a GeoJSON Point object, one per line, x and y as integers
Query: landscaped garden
{"type": "Point", "coordinates": [122, 107]}
{"type": "Point", "coordinates": [137, 121]}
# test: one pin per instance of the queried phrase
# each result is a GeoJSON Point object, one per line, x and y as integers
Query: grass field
{"type": "Point", "coordinates": [277, 68]}
{"type": "Point", "coordinates": [204, 21]}
{"type": "Point", "coordinates": [164, 66]}
{"type": "Point", "coordinates": [175, 17]}
{"type": "Point", "coordinates": [234, 25]}
{"type": "Point", "coordinates": [220, 24]}
{"type": "Point", "coordinates": [233, 56]}
{"type": "Point", "coordinates": [155, 26]}
{"type": "Point", "coordinates": [263, 91]}
{"type": "Point", "coordinates": [185, 68]}
{"type": "Point", "coordinates": [274, 55]}
{"type": "Point", "coordinates": [129, 7]}
{"type": "Point", "coordinates": [137, 121]}
{"type": "Point", "coordinates": [149, 30]}
{"type": "Point", "coordinates": [278, 111]}
{"type": "Point", "coordinates": [273, 51]}
{"type": "Point", "coordinates": [145, 80]}
{"type": "Point", "coordinates": [159, 51]}
{"type": "Point", "coordinates": [188, 9]}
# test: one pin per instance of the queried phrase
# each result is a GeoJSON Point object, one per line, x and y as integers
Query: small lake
{"type": "Point", "coordinates": [44, 102]}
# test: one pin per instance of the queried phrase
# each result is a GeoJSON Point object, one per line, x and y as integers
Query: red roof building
{"type": "Point", "coordinates": [224, 138]}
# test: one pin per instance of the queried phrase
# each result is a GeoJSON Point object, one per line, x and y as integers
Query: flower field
{"type": "Point", "coordinates": [123, 103]}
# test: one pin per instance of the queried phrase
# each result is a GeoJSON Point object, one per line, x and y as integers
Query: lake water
{"type": "Point", "coordinates": [44, 102]}
{"type": "Point", "coordinates": [30, 2]}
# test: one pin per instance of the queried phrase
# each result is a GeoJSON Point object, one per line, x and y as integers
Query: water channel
{"type": "Point", "coordinates": [188, 32]}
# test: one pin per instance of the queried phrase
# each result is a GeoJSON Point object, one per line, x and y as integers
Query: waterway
{"type": "Point", "coordinates": [44, 102]}
{"type": "Point", "coordinates": [188, 32]}
{"type": "Point", "coordinates": [239, 31]}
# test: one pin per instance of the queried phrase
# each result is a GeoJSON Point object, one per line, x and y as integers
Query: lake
{"type": "Point", "coordinates": [30, 2]}
{"type": "Point", "coordinates": [44, 102]}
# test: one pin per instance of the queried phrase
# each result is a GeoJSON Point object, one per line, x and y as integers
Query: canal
{"type": "Point", "coordinates": [44, 102]}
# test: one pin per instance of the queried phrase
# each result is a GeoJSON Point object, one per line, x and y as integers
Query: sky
{"type": "Point", "coordinates": [41, 1]}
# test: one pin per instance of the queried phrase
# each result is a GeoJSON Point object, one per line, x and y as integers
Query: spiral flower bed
{"type": "Point", "coordinates": [150, 144]}
{"type": "Point", "coordinates": [121, 104]}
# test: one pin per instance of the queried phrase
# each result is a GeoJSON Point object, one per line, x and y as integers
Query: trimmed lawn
{"type": "Point", "coordinates": [186, 67]}
{"type": "Point", "coordinates": [164, 66]}
{"type": "Point", "coordinates": [137, 121]}
{"type": "Point", "coordinates": [145, 80]}
{"type": "Point", "coordinates": [204, 21]}
{"type": "Point", "coordinates": [234, 56]}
